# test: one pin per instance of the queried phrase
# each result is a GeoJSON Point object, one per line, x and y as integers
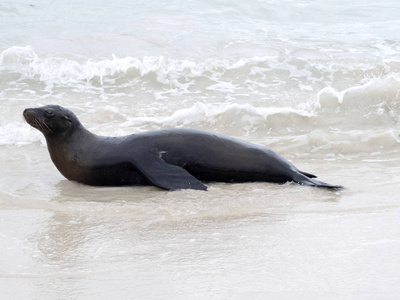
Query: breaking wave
{"type": "Point", "coordinates": [314, 105]}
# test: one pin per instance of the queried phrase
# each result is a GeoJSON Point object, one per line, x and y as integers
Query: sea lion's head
{"type": "Point", "coordinates": [51, 120]}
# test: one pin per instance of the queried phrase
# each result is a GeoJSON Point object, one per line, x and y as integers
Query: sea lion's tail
{"type": "Point", "coordinates": [302, 178]}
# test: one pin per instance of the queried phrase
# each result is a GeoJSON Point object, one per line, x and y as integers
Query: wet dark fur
{"type": "Point", "coordinates": [170, 159]}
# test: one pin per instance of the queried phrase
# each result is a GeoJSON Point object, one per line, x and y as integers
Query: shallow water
{"type": "Point", "coordinates": [316, 82]}
{"type": "Point", "coordinates": [64, 240]}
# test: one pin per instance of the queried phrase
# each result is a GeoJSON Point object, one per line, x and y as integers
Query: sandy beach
{"type": "Point", "coordinates": [63, 240]}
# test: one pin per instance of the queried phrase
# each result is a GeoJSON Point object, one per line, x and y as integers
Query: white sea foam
{"type": "Point", "coordinates": [212, 113]}
{"type": "Point", "coordinates": [248, 96]}
{"type": "Point", "coordinates": [292, 86]}
{"type": "Point", "coordinates": [19, 134]}
{"type": "Point", "coordinates": [57, 70]}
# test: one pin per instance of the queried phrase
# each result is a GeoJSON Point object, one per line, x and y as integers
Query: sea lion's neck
{"type": "Point", "coordinates": [68, 151]}
{"type": "Point", "coordinates": [77, 134]}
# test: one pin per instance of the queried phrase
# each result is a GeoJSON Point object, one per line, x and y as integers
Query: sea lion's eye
{"type": "Point", "coordinates": [49, 113]}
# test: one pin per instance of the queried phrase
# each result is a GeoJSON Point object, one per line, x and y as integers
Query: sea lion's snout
{"type": "Point", "coordinates": [33, 117]}
{"type": "Point", "coordinates": [29, 114]}
{"type": "Point", "coordinates": [28, 111]}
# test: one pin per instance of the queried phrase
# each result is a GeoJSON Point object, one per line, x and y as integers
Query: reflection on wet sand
{"type": "Point", "coordinates": [99, 232]}
{"type": "Point", "coordinates": [233, 241]}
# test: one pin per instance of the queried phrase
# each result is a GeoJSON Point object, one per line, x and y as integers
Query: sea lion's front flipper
{"type": "Point", "coordinates": [167, 176]}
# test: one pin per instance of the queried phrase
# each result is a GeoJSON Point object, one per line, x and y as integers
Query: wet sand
{"type": "Point", "coordinates": [62, 240]}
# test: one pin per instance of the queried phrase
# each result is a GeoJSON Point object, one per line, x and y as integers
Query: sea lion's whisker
{"type": "Point", "coordinates": [37, 123]}
{"type": "Point", "coordinates": [47, 127]}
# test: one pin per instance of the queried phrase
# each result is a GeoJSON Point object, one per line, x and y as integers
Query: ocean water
{"type": "Point", "coordinates": [318, 82]}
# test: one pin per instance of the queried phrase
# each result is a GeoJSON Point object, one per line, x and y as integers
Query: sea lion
{"type": "Point", "coordinates": [170, 159]}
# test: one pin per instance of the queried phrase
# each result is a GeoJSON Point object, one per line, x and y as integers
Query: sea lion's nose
{"type": "Point", "coordinates": [28, 112]}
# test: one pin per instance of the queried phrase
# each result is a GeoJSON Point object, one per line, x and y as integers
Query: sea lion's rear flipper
{"type": "Point", "coordinates": [308, 174]}
{"type": "Point", "coordinates": [302, 179]}
{"type": "Point", "coordinates": [167, 176]}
